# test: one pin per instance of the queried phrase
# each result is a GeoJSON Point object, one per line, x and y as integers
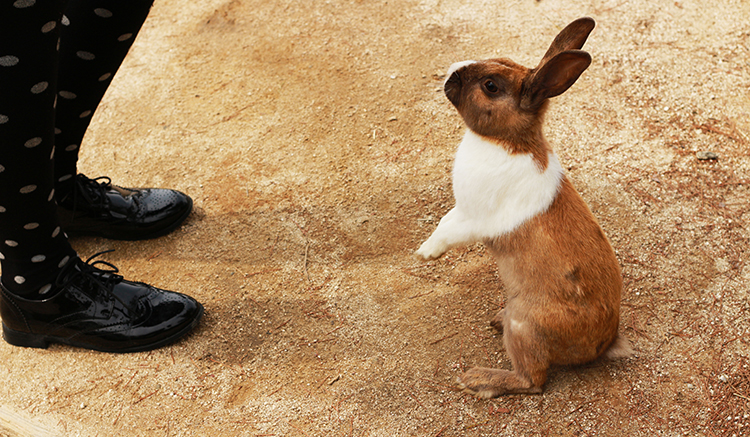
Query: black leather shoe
{"type": "Point", "coordinates": [105, 210]}
{"type": "Point", "coordinates": [97, 309]}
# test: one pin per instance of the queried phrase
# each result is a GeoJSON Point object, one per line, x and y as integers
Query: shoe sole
{"type": "Point", "coordinates": [25, 339]}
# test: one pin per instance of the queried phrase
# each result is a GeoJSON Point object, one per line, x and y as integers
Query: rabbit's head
{"type": "Point", "coordinates": [500, 99]}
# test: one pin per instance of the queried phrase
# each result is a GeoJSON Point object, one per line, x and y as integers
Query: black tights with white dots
{"type": "Point", "coordinates": [57, 58]}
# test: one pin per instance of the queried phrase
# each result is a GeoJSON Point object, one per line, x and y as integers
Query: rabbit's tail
{"type": "Point", "coordinates": [620, 348]}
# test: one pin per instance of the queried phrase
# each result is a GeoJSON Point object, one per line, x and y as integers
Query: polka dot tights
{"type": "Point", "coordinates": [57, 58]}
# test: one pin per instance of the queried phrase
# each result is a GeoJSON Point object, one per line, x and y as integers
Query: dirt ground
{"type": "Point", "coordinates": [317, 144]}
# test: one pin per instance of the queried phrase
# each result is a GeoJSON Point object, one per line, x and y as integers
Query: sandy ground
{"type": "Point", "coordinates": [317, 145]}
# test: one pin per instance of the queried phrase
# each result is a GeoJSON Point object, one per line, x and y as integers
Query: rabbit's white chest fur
{"type": "Point", "coordinates": [495, 193]}
{"type": "Point", "coordinates": [498, 191]}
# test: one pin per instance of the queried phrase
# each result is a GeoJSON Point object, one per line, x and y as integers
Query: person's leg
{"type": "Point", "coordinates": [95, 36]}
{"type": "Point", "coordinates": [33, 248]}
{"type": "Point", "coordinates": [47, 294]}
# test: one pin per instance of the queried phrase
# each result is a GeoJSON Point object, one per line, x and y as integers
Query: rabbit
{"type": "Point", "coordinates": [560, 272]}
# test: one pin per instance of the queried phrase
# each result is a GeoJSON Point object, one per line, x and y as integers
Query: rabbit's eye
{"type": "Point", "coordinates": [491, 87]}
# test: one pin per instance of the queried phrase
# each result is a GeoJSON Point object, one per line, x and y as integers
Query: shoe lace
{"type": "Point", "coordinates": [93, 192]}
{"type": "Point", "coordinates": [104, 279]}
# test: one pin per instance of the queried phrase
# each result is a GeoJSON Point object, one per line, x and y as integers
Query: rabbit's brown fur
{"type": "Point", "coordinates": [563, 288]}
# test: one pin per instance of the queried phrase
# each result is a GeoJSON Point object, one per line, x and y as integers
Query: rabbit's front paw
{"type": "Point", "coordinates": [431, 249]}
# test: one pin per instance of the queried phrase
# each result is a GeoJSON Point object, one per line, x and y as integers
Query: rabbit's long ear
{"type": "Point", "coordinates": [571, 38]}
{"type": "Point", "coordinates": [553, 78]}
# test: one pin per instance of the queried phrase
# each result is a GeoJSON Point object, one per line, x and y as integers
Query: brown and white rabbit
{"type": "Point", "coordinates": [562, 279]}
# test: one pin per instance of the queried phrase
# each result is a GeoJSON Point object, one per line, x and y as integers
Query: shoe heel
{"type": "Point", "coordinates": [24, 339]}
